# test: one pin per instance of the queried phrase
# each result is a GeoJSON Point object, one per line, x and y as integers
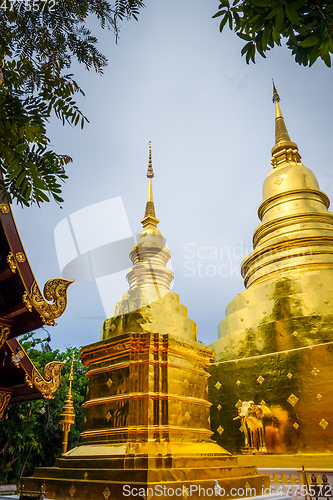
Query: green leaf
{"type": "Point", "coordinates": [309, 41]}
{"type": "Point", "coordinates": [292, 15]}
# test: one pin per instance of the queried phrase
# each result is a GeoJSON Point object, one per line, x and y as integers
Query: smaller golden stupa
{"type": "Point", "coordinates": [147, 424]}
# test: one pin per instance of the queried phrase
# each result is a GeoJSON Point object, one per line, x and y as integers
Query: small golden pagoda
{"type": "Point", "coordinates": [275, 346]}
{"type": "Point", "coordinates": [147, 425]}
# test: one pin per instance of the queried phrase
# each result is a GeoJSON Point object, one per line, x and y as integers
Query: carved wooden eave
{"type": "Point", "coordinates": [23, 308]}
{"type": "Point", "coordinates": [20, 378]}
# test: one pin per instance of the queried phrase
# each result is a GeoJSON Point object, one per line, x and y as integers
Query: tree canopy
{"type": "Point", "coordinates": [39, 39]}
{"type": "Point", "coordinates": [307, 26]}
{"type": "Point", "coordinates": [30, 433]}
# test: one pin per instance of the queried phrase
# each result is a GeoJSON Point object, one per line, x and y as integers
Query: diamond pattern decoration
{"type": "Point", "coordinates": [185, 328]}
{"type": "Point", "coordinates": [259, 339]}
{"type": "Point", "coordinates": [112, 327]}
{"type": "Point", "coordinates": [292, 399]}
{"type": "Point", "coordinates": [106, 493]}
{"type": "Point", "coordinates": [208, 420]}
{"type": "Point", "coordinates": [85, 420]}
{"type": "Point", "coordinates": [315, 371]}
{"type": "Point", "coordinates": [187, 416]}
{"type": "Point", "coordinates": [186, 382]}
{"type": "Point", "coordinates": [295, 333]}
{"type": "Point", "coordinates": [323, 423]}
{"type": "Point", "coordinates": [278, 180]}
{"type": "Point", "coordinates": [218, 385]}
{"type": "Point", "coordinates": [263, 403]}
{"type": "Point", "coordinates": [239, 404]}
{"type": "Point", "coordinates": [295, 425]}
{"type": "Point", "coordinates": [72, 490]}
{"type": "Point", "coordinates": [260, 379]}
{"type": "Point", "coordinates": [247, 485]}
{"type": "Point", "coordinates": [319, 397]}
{"type": "Point", "coordinates": [238, 383]}
{"type": "Point", "coordinates": [220, 429]}
{"type": "Point", "coordinates": [326, 301]}
{"type": "Point", "coordinates": [290, 375]}
{"type": "Point", "coordinates": [108, 416]}
{"type": "Point", "coordinates": [149, 413]}
{"type": "Point", "coordinates": [109, 383]}
{"type": "Point", "coordinates": [219, 407]}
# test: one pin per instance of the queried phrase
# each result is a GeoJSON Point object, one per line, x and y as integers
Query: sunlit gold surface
{"type": "Point", "coordinates": [147, 411]}
{"type": "Point", "coordinates": [280, 327]}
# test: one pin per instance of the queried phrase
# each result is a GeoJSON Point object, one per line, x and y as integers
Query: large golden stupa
{"type": "Point", "coordinates": [275, 348]}
{"type": "Point", "coordinates": [147, 419]}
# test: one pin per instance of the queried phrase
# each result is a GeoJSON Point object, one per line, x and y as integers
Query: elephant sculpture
{"type": "Point", "coordinates": [252, 418]}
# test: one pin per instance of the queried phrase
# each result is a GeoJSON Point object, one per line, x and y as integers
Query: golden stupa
{"type": "Point", "coordinates": [275, 346]}
{"type": "Point", "coordinates": [147, 426]}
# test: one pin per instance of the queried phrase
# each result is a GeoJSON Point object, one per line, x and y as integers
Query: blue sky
{"type": "Point", "coordinates": [174, 80]}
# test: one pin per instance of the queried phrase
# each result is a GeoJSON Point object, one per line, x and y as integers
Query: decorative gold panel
{"type": "Point", "coordinates": [219, 407]}
{"type": "Point", "coordinates": [218, 385]}
{"type": "Point", "coordinates": [292, 399]}
{"type": "Point", "coordinates": [290, 375]}
{"type": "Point", "coordinates": [4, 208]}
{"type": "Point", "coordinates": [323, 423]}
{"type": "Point", "coordinates": [16, 357]}
{"type": "Point", "coordinates": [106, 493]}
{"type": "Point", "coordinates": [20, 257]}
{"type": "Point", "coordinates": [109, 383]}
{"type": "Point", "coordinates": [4, 332]}
{"type": "Point", "coordinates": [4, 400]}
{"type": "Point", "coordinates": [11, 262]}
{"type": "Point", "coordinates": [260, 379]}
{"type": "Point", "coordinates": [220, 429]}
{"type": "Point", "coordinates": [296, 425]}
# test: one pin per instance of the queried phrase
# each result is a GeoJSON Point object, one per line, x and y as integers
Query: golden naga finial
{"type": "Point", "coordinates": [68, 415]}
{"type": "Point", "coordinates": [150, 217]}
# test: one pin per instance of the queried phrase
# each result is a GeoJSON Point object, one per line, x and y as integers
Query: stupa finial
{"type": "Point", "coordinates": [281, 133]}
{"type": "Point", "coordinates": [150, 217]}
{"type": "Point", "coordinates": [284, 149]}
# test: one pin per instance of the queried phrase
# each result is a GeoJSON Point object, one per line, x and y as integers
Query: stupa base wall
{"type": "Point", "coordinates": [295, 385]}
{"type": "Point", "coordinates": [64, 483]}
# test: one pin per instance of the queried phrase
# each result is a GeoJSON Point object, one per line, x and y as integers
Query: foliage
{"type": "Point", "coordinates": [30, 437]}
{"type": "Point", "coordinates": [307, 25]}
{"type": "Point", "coordinates": [39, 39]}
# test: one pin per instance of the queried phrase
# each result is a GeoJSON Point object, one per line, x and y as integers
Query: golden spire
{"type": "Point", "coordinates": [284, 151]}
{"type": "Point", "coordinates": [149, 219]}
{"type": "Point", "coordinates": [68, 415]}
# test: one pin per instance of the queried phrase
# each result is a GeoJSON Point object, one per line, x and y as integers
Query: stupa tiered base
{"type": "Point", "coordinates": [147, 426]}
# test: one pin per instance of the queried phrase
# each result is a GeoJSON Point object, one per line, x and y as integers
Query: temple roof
{"type": "Point", "coordinates": [23, 309]}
